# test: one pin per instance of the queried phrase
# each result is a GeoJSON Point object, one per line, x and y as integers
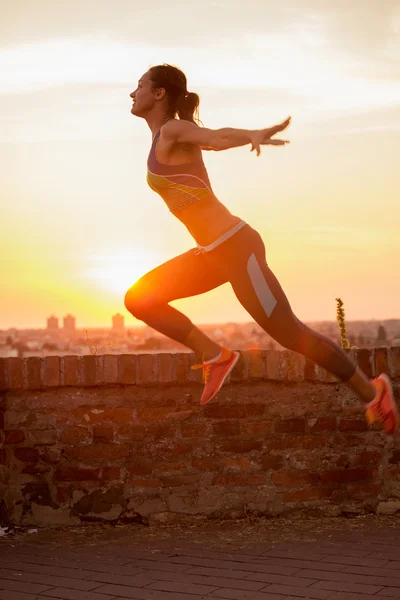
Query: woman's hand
{"type": "Point", "coordinates": [262, 137]}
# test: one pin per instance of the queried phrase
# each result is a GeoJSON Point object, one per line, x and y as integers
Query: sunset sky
{"type": "Point", "coordinates": [79, 224]}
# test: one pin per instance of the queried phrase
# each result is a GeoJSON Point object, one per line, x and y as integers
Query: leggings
{"type": "Point", "coordinates": [241, 261]}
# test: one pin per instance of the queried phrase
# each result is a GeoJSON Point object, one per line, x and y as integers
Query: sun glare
{"type": "Point", "coordinates": [118, 269]}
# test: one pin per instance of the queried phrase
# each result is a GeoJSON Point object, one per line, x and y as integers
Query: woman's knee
{"type": "Point", "coordinates": [138, 303]}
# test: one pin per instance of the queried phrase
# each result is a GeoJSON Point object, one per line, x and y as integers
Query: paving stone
{"type": "Point", "coordinates": [353, 565]}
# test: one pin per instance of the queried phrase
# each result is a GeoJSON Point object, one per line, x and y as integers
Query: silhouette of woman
{"type": "Point", "coordinates": [228, 249]}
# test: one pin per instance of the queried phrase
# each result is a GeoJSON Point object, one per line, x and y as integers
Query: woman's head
{"type": "Point", "coordinates": [166, 85]}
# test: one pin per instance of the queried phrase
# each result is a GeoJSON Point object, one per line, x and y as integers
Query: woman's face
{"type": "Point", "coordinates": [143, 97]}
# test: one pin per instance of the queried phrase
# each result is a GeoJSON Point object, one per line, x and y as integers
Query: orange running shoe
{"type": "Point", "coordinates": [215, 373]}
{"type": "Point", "coordinates": [383, 409]}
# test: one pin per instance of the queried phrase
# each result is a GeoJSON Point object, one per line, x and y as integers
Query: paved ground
{"type": "Point", "coordinates": [334, 559]}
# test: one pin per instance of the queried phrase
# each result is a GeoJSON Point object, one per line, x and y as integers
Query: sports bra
{"type": "Point", "coordinates": [178, 185]}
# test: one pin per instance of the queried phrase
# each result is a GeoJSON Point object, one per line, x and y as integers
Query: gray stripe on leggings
{"type": "Point", "coordinates": [261, 287]}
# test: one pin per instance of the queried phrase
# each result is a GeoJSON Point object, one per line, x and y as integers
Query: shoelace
{"type": "Point", "coordinates": [206, 369]}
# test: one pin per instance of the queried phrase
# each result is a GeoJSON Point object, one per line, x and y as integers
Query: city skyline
{"type": "Point", "coordinates": [79, 223]}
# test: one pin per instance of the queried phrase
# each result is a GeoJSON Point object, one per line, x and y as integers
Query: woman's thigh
{"type": "Point", "coordinates": [183, 276]}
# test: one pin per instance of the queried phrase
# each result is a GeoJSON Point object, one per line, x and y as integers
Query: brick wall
{"type": "Point", "coordinates": [124, 438]}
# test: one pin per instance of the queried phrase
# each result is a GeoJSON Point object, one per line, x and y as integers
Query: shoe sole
{"type": "Point", "coordinates": [237, 356]}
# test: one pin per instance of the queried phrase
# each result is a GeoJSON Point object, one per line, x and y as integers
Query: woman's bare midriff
{"type": "Point", "coordinates": [207, 222]}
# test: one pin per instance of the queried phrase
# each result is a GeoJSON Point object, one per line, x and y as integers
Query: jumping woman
{"type": "Point", "coordinates": [228, 249]}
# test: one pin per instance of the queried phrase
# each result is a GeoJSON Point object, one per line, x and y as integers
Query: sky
{"type": "Point", "coordinates": [79, 225]}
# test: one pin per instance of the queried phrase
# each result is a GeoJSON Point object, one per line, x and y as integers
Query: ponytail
{"type": "Point", "coordinates": [187, 107]}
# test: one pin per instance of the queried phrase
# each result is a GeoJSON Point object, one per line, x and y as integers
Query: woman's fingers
{"type": "Point", "coordinates": [274, 142]}
{"type": "Point", "coordinates": [273, 130]}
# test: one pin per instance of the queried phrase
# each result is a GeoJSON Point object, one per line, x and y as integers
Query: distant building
{"type": "Point", "coordinates": [118, 327]}
{"type": "Point", "coordinates": [52, 323]}
{"type": "Point", "coordinates": [69, 325]}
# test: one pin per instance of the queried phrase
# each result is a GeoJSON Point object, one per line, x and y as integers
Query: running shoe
{"type": "Point", "coordinates": [215, 372]}
{"type": "Point", "coordinates": [382, 411]}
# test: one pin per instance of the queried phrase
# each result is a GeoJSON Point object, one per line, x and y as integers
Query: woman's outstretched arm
{"type": "Point", "coordinates": [185, 132]}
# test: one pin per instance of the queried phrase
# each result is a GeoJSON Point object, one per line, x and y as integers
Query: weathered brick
{"type": "Point", "coordinates": [154, 413]}
{"type": "Point", "coordinates": [87, 375]}
{"type": "Point", "coordinates": [173, 449]}
{"type": "Point", "coordinates": [147, 368]}
{"type": "Point", "coordinates": [271, 461]}
{"type": "Point", "coordinates": [69, 370]}
{"type": "Point", "coordinates": [35, 373]}
{"type": "Point", "coordinates": [36, 469]}
{"type": "Point", "coordinates": [239, 446]}
{"type": "Point", "coordinates": [75, 435]}
{"type": "Point", "coordinates": [176, 480]}
{"type": "Point", "coordinates": [196, 430]}
{"type": "Point", "coordinates": [42, 437]}
{"type": "Point", "coordinates": [13, 436]}
{"type": "Point", "coordinates": [239, 480]}
{"type": "Point", "coordinates": [346, 475]}
{"type": "Point", "coordinates": [257, 429]}
{"type": "Point", "coordinates": [322, 424]}
{"type": "Point", "coordinates": [166, 368]}
{"type": "Point", "coordinates": [110, 368]}
{"type": "Point", "coordinates": [290, 426]}
{"type": "Point", "coordinates": [367, 458]}
{"type": "Point", "coordinates": [182, 366]}
{"type": "Point", "coordinates": [274, 364]}
{"type": "Point", "coordinates": [103, 433]}
{"type": "Point", "coordinates": [16, 376]}
{"type": "Point", "coordinates": [294, 365]}
{"type": "Point", "coordinates": [365, 361]}
{"type": "Point", "coordinates": [62, 495]}
{"type": "Point", "coordinates": [110, 474]}
{"type": "Point", "coordinates": [306, 494]}
{"type": "Point", "coordinates": [125, 433]}
{"type": "Point", "coordinates": [127, 364]}
{"type": "Point", "coordinates": [171, 468]}
{"type": "Point", "coordinates": [324, 376]}
{"type": "Point", "coordinates": [394, 458]}
{"type": "Point", "coordinates": [256, 364]}
{"type": "Point", "coordinates": [394, 361]}
{"type": "Point", "coordinates": [207, 464]}
{"type": "Point", "coordinates": [4, 381]}
{"type": "Point", "coordinates": [360, 491]}
{"type": "Point", "coordinates": [26, 454]}
{"type": "Point", "coordinates": [237, 464]}
{"type": "Point", "coordinates": [381, 361]}
{"type": "Point", "coordinates": [352, 425]}
{"type": "Point", "coordinates": [99, 369]}
{"type": "Point", "coordinates": [140, 467]}
{"type": "Point", "coordinates": [69, 473]}
{"type": "Point", "coordinates": [52, 371]}
{"type": "Point", "coordinates": [123, 415]}
{"type": "Point", "coordinates": [226, 428]}
{"type": "Point", "coordinates": [305, 442]}
{"type": "Point", "coordinates": [153, 483]}
{"type": "Point", "coordinates": [99, 453]}
{"type": "Point", "coordinates": [233, 411]}
{"type": "Point", "coordinates": [50, 455]}
{"type": "Point", "coordinates": [309, 370]}
{"type": "Point", "coordinates": [294, 478]}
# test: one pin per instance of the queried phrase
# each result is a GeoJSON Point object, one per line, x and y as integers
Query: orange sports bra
{"type": "Point", "coordinates": [178, 185]}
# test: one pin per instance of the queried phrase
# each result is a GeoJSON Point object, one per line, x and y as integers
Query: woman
{"type": "Point", "coordinates": [228, 249]}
